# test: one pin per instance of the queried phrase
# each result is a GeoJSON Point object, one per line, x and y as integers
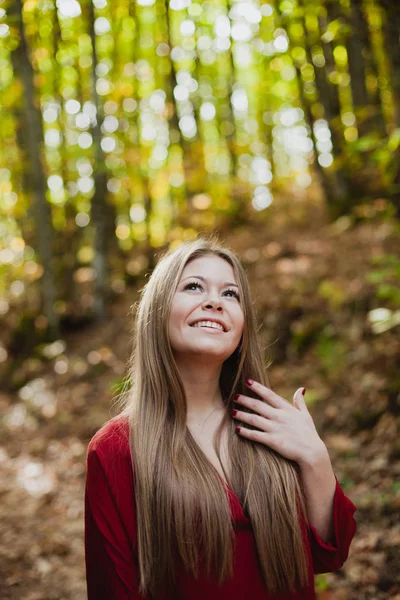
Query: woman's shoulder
{"type": "Point", "coordinates": [108, 462]}
{"type": "Point", "coordinates": [112, 438]}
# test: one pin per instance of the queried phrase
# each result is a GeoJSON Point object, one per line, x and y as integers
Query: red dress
{"type": "Point", "coordinates": [111, 545]}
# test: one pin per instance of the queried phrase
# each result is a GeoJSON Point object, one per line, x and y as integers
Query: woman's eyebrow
{"type": "Point", "coordinates": [202, 279]}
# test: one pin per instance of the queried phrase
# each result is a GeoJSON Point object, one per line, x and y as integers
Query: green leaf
{"type": "Point", "coordinates": [394, 140]}
{"type": "Point", "coordinates": [366, 143]}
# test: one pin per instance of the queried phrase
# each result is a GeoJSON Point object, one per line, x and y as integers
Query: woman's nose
{"type": "Point", "coordinates": [213, 301]}
{"type": "Point", "coordinates": [213, 305]}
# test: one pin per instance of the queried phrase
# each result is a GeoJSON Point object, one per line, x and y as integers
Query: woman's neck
{"type": "Point", "coordinates": [201, 385]}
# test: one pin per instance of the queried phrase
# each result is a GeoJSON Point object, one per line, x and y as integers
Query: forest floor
{"type": "Point", "coordinates": [308, 279]}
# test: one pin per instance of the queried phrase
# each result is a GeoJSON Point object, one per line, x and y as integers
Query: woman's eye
{"type": "Point", "coordinates": [234, 293]}
{"type": "Point", "coordinates": [192, 285]}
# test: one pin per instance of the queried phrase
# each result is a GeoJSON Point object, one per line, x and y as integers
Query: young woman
{"type": "Point", "coordinates": [208, 484]}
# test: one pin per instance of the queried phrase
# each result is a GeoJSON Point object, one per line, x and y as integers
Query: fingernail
{"type": "Point", "coordinates": [249, 381]}
{"type": "Point", "coordinates": [234, 412]}
{"type": "Point", "coordinates": [236, 396]}
{"type": "Point", "coordinates": [237, 429]}
{"type": "Point", "coordinates": [304, 391]}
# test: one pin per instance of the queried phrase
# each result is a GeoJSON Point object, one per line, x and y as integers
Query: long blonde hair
{"type": "Point", "coordinates": [182, 509]}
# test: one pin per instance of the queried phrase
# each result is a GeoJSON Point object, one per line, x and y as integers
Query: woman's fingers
{"type": "Point", "coordinates": [258, 406]}
{"type": "Point", "coordinates": [286, 428]}
{"type": "Point", "coordinates": [267, 439]}
{"type": "Point", "coordinates": [255, 420]}
{"type": "Point", "coordinates": [273, 399]}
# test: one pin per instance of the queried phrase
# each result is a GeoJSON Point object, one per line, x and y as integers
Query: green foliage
{"type": "Point", "coordinates": [119, 385]}
{"type": "Point", "coordinates": [321, 582]}
{"type": "Point", "coordinates": [168, 105]}
{"type": "Point", "coordinates": [332, 353]}
{"type": "Point", "coordinates": [346, 482]}
{"type": "Point", "coordinates": [394, 140]}
{"type": "Point", "coordinates": [386, 278]}
{"type": "Point", "coordinates": [333, 293]}
{"type": "Point", "coordinates": [304, 332]}
{"type": "Point", "coordinates": [367, 143]}
{"type": "Point", "coordinates": [313, 396]}
{"type": "Point", "coordinates": [386, 155]}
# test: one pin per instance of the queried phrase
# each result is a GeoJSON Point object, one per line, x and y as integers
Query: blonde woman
{"type": "Point", "coordinates": [208, 485]}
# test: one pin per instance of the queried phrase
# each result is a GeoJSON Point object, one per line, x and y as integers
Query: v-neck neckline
{"type": "Point", "coordinates": [222, 479]}
{"type": "Point", "coordinates": [237, 512]}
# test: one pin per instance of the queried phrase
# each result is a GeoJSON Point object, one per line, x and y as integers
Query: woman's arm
{"type": "Point", "coordinates": [290, 430]}
{"type": "Point", "coordinates": [330, 556]}
{"type": "Point", "coordinates": [319, 483]}
{"type": "Point", "coordinates": [111, 564]}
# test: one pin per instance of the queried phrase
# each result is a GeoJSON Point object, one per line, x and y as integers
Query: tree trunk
{"type": "Point", "coordinates": [141, 168]}
{"type": "Point", "coordinates": [327, 90]}
{"type": "Point", "coordinates": [355, 51]}
{"type": "Point", "coordinates": [329, 97]}
{"type": "Point", "coordinates": [391, 29]}
{"type": "Point", "coordinates": [367, 109]}
{"type": "Point", "coordinates": [68, 244]}
{"type": "Point", "coordinates": [102, 214]}
{"type": "Point", "coordinates": [33, 136]}
{"type": "Point", "coordinates": [327, 181]}
{"type": "Point", "coordinates": [183, 207]}
{"type": "Point", "coordinates": [231, 138]}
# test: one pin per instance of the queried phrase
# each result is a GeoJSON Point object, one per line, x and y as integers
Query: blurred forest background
{"type": "Point", "coordinates": [127, 127]}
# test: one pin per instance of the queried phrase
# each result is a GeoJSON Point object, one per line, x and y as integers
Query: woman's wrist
{"type": "Point", "coordinates": [318, 457]}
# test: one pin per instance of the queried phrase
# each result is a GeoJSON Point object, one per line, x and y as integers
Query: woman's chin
{"type": "Point", "coordinates": [204, 352]}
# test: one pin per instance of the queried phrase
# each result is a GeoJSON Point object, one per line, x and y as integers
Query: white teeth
{"type": "Point", "coordinates": [212, 324]}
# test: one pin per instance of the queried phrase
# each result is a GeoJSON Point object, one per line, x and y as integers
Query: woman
{"type": "Point", "coordinates": [208, 484]}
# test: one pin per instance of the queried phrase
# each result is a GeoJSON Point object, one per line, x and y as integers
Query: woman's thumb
{"type": "Point", "coordinates": [298, 398]}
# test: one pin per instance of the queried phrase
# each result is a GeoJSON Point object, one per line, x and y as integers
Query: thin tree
{"type": "Point", "coordinates": [140, 169]}
{"type": "Point", "coordinates": [327, 181]}
{"type": "Point", "coordinates": [391, 28]}
{"type": "Point", "coordinates": [367, 109]}
{"type": "Point", "coordinates": [174, 114]}
{"type": "Point", "coordinates": [102, 214]}
{"type": "Point", "coordinates": [34, 142]}
{"type": "Point", "coordinates": [68, 244]}
{"type": "Point", "coordinates": [329, 97]}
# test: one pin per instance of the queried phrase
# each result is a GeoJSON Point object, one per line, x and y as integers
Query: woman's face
{"type": "Point", "coordinates": [206, 316]}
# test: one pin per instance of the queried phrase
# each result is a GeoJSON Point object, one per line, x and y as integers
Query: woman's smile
{"type": "Point", "coordinates": [210, 323]}
{"type": "Point", "coordinates": [212, 328]}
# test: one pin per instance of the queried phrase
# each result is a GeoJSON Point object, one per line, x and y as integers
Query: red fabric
{"type": "Point", "coordinates": [111, 544]}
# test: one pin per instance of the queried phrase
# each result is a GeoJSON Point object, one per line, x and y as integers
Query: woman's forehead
{"type": "Point", "coordinates": [209, 266]}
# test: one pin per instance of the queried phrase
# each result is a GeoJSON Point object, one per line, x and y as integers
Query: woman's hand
{"type": "Point", "coordinates": [286, 428]}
